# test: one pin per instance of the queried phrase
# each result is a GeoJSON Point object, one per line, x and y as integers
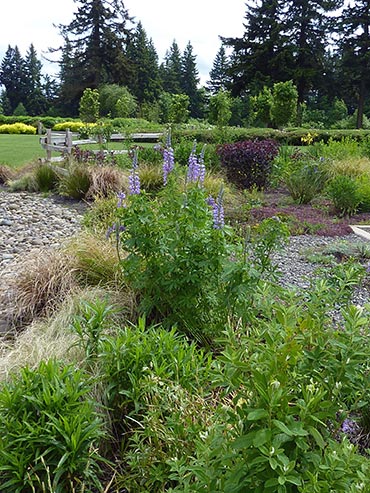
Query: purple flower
{"type": "Point", "coordinates": [134, 179]}
{"type": "Point", "coordinates": [116, 228]}
{"type": "Point", "coordinates": [168, 159]}
{"type": "Point", "coordinates": [217, 210]}
{"type": "Point", "coordinates": [193, 165]}
{"type": "Point", "coordinates": [202, 168]}
{"type": "Point", "coordinates": [121, 197]}
{"type": "Point", "coordinates": [349, 426]}
{"type": "Point", "coordinates": [196, 167]}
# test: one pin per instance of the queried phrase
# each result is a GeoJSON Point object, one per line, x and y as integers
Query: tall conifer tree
{"type": "Point", "coordinates": [354, 31]}
{"type": "Point", "coordinates": [96, 39]}
{"type": "Point", "coordinates": [13, 77]}
{"type": "Point", "coordinates": [190, 79]}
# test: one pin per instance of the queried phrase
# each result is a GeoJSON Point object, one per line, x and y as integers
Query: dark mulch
{"type": "Point", "coordinates": [317, 218]}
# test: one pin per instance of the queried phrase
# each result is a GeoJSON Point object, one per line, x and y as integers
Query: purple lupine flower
{"type": "Point", "coordinates": [134, 179]}
{"type": "Point", "coordinates": [349, 426]}
{"type": "Point", "coordinates": [116, 228]}
{"type": "Point", "coordinates": [202, 167]}
{"type": "Point", "coordinates": [193, 165]}
{"type": "Point", "coordinates": [217, 210]}
{"type": "Point", "coordinates": [168, 159]}
{"type": "Point", "coordinates": [121, 197]}
{"type": "Point", "coordinates": [196, 167]}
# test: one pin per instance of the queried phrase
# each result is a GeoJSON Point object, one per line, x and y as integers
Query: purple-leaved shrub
{"type": "Point", "coordinates": [248, 163]}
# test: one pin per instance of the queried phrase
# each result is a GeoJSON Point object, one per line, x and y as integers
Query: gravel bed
{"type": "Point", "coordinates": [31, 221]}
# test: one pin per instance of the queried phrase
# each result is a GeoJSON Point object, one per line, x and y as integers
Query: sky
{"type": "Point", "coordinates": [199, 21]}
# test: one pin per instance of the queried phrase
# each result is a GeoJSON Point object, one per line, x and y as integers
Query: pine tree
{"type": "Point", "coordinates": [96, 40]}
{"type": "Point", "coordinates": [261, 56]}
{"type": "Point", "coordinates": [219, 77]}
{"type": "Point", "coordinates": [36, 103]}
{"type": "Point", "coordinates": [171, 69]}
{"type": "Point", "coordinates": [13, 77]}
{"type": "Point", "coordinates": [190, 79]}
{"type": "Point", "coordinates": [354, 30]}
{"type": "Point", "coordinates": [145, 83]}
{"type": "Point", "coordinates": [307, 24]}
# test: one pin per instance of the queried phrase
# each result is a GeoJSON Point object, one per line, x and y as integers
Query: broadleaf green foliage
{"type": "Point", "coordinates": [248, 163]}
{"type": "Point", "coordinates": [291, 382]}
{"type": "Point", "coordinates": [48, 431]}
{"type": "Point", "coordinates": [186, 271]}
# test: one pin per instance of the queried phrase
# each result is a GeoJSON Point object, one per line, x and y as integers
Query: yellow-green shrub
{"type": "Point", "coordinates": [17, 128]}
{"type": "Point", "coordinates": [73, 126]}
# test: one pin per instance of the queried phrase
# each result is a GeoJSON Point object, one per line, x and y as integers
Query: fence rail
{"type": "Point", "coordinates": [63, 142]}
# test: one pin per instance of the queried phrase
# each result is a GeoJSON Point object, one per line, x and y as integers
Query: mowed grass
{"type": "Point", "coordinates": [19, 150]}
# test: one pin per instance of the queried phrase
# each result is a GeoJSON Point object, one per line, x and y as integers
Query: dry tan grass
{"type": "Point", "coordinates": [44, 279]}
{"type": "Point", "coordinates": [105, 181]}
{"type": "Point", "coordinates": [95, 260]}
{"type": "Point", "coordinates": [48, 338]}
{"type": "Point", "coordinates": [6, 174]}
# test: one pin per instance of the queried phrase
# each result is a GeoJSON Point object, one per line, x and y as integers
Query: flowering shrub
{"type": "Point", "coordinates": [248, 163]}
{"type": "Point", "coordinates": [17, 128]}
{"type": "Point", "coordinates": [180, 257]}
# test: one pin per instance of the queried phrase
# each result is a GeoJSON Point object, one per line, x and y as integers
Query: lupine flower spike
{"type": "Point", "coordinates": [134, 179]}
{"type": "Point", "coordinates": [202, 167]}
{"type": "Point", "coordinates": [168, 158]}
{"type": "Point", "coordinates": [217, 210]}
{"type": "Point", "coordinates": [120, 199]}
{"type": "Point", "coordinates": [193, 165]}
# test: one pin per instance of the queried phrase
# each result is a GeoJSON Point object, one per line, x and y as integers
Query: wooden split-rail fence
{"type": "Point", "coordinates": [64, 142]}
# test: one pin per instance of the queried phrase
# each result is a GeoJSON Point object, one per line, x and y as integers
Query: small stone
{"type": "Point", "coordinates": [6, 222]}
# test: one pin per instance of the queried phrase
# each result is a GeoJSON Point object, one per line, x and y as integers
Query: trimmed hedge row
{"type": "Point", "coordinates": [290, 136]}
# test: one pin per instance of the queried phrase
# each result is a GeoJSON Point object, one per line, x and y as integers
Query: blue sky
{"type": "Point", "coordinates": [199, 21]}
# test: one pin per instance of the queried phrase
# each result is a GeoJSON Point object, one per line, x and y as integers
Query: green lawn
{"type": "Point", "coordinates": [19, 150]}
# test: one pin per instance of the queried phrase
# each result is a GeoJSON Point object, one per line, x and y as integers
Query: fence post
{"type": "Point", "coordinates": [48, 142]}
{"type": "Point", "coordinates": [68, 143]}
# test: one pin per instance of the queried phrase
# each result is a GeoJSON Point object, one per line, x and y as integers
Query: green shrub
{"type": "Point", "coordinates": [344, 193]}
{"type": "Point", "coordinates": [305, 183]}
{"type": "Point", "coordinates": [101, 215]}
{"type": "Point", "coordinates": [25, 183]}
{"type": "Point", "coordinates": [17, 128]}
{"type": "Point", "coordinates": [46, 178]}
{"type": "Point", "coordinates": [49, 432]}
{"type": "Point", "coordinates": [363, 183]}
{"type": "Point", "coordinates": [178, 254]}
{"type": "Point", "coordinates": [289, 383]}
{"type": "Point", "coordinates": [76, 183]}
{"type": "Point", "coordinates": [158, 396]}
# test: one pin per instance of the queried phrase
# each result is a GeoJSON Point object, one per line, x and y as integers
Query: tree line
{"type": "Point", "coordinates": [321, 46]}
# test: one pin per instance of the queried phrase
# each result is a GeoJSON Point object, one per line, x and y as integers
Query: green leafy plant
{"type": "Point", "coordinates": [305, 182]}
{"type": "Point", "coordinates": [344, 193]}
{"type": "Point", "coordinates": [50, 432]}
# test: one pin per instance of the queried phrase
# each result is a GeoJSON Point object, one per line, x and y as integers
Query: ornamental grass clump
{"type": "Point", "coordinates": [43, 281]}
